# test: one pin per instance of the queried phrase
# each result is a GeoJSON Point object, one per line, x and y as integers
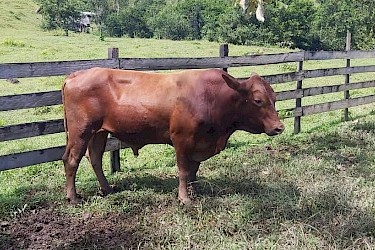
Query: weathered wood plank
{"type": "Point", "coordinates": [289, 95]}
{"type": "Point", "coordinates": [283, 78]}
{"type": "Point", "coordinates": [32, 100]}
{"type": "Point", "coordinates": [29, 158]}
{"type": "Point", "coordinates": [325, 107]}
{"type": "Point", "coordinates": [293, 94]}
{"type": "Point", "coordinates": [280, 78]}
{"type": "Point", "coordinates": [27, 130]}
{"type": "Point", "coordinates": [337, 71]}
{"type": "Point", "coordinates": [37, 69]}
{"type": "Point", "coordinates": [207, 62]}
{"type": "Point", "coordinates": [315, 73]}
{"type": "Point", "coordinates": [114, 144]}
{"type": "Point", "coordinates": [328, 55]}
{"type": "Point", "coordinates": [337, 88]}
{"type": "Point", "coordinates": [330, 106]}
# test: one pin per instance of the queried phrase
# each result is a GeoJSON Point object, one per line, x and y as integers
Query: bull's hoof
{"type": "Point", "coordinates": [186, 201]}
{"type": "Point", "coordinates": [110, 190]}
{"type": "Point", "coordinates": [74, 200]}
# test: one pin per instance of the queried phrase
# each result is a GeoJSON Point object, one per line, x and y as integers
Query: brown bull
{"type": "Point", "coordinates": [195, 111]}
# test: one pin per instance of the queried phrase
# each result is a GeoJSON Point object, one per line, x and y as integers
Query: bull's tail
{"type": "Point", "coordinates": [68, 78]}
{"type": "Point", "coordinates": [63, 102]}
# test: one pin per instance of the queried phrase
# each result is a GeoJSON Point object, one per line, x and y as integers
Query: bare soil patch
{"type": "Point", "coordinates": [48, 229]}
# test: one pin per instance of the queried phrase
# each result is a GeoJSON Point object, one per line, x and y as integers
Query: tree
{"type": "Point", "coordinates": [334, 18]}
{"type": "Point", "coordinates": [290, 24]}
{"type": "Point", "coordinates": [169, 24]}
{"type": "Point", "coordinates": [62, 14]}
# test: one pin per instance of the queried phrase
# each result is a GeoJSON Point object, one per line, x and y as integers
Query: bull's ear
{"type": "Point", "coordinates": [232, 82]}
{"type": "Point", "coordinates": [253, 74]}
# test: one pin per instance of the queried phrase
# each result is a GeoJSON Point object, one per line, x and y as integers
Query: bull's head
{"type": "Point", "coordinates": [256, 105]}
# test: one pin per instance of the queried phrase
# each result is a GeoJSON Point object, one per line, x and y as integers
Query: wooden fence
{"type": "Point", "coordinates": [39, 69]}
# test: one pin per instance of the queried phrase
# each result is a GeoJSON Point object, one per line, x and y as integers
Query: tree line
{"type": "Point", "coordinates": [303, 24]}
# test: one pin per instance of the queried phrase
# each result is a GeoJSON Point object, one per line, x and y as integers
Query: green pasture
{"type": "Point", "coordinates": [314, 190]}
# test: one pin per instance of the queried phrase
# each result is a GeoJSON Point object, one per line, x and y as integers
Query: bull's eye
{"type": "Point", "coordinates": [258, 102]}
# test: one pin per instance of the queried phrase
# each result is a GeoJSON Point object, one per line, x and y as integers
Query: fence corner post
{"type": "Point", "coordinates": [224, 52]}
{"type": "Point", "coordinates": [113, 53]}
{"type": "Point", "coordinates": [347, 76]}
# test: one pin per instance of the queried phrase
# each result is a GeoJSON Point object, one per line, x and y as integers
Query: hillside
{"type": "Point", "coordinates": [23, 40]}
{"type": "Point", "coordinates": [19, 15]}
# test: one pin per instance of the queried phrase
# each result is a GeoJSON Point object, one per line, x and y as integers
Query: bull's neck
{"type": "Point", "coordinates": [231, 115]}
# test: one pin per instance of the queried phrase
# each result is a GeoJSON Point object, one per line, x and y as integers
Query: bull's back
{"type": "Point", "coordinates": [109, 92]}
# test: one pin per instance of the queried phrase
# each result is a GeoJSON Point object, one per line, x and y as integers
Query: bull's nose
{"type": "Point", "coordinates": [277, 129]}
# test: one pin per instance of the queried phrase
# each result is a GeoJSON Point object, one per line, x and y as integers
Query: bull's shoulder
{"type": "Point", "coordinates": [84, 72]}
{"type": "Point", "coordinates": [200, 78]}
{"type": "Point", "coordinates": [85, 79]}
{"type": "Point", "coordinates": [212, 76]}
{"type": "Point", "coordinates": [206, 72]}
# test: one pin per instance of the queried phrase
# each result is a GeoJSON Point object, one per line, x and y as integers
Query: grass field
{"type": "Point", "coordinates": [314, 190]}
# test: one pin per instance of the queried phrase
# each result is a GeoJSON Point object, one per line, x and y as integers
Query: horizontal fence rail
{"type": "Point", "coordinates": [331, 106]}
{"type": "Point", "coordinates": [19, 160]}
{"type": "Point", "coordinates": [46, 69]}
{"type": "Point", "coordinates": [32, 100]}
{"type": "Point", "coordinates": [39, 69]}
{"type": "Point", "coordinates": [32, 129]}
{"type": "Point", "coordinates": [293, 94]}
{"type": "Point", "coordinates": [329, 55]}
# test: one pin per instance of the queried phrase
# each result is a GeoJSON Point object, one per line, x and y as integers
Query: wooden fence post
{"type": "Point", "coordinates": [297, 119]}
{"type": "Point", "coordinates": [347, 76]}
{"type": "Point", "coordinates": [113, 53]}
{"type": "Point", "coordinates": [224, 51]}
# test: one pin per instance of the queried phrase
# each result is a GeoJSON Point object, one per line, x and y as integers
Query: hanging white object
{"type": "Point", "coordinates": [260, 11]}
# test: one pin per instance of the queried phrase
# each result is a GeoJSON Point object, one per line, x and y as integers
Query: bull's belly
{"type": "Point", "coordinates": [204, 150]}
{"type": "Point", "coordinates": [201, 156]}
{"type": "Point", "coordinates": [135, 129]}
{"type": "Point", "coordinates": [142, 139]}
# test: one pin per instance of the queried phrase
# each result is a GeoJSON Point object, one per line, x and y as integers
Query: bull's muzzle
{"type": "Point", "coordinates": [276, 130]}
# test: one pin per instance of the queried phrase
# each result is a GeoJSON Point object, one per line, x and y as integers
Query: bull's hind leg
{"type": "Point", "coordinates": [74, 152]}
{"type": "Point", "coordinates": [95, 152]}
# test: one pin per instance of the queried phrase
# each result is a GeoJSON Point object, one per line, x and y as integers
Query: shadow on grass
{"type": "Point", "coordinates": [365, 126]}
{"type": "Point", "coordinates": [351, 149]}
{"type": "Point", "coordinates": [328, 213]}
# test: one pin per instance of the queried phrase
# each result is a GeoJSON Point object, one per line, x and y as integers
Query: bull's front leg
{"type": "Point", "coordinates": [187, 174]}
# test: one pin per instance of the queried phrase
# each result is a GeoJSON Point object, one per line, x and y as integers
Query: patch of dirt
{"type": "Point", "coordinates": [47, 229]}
